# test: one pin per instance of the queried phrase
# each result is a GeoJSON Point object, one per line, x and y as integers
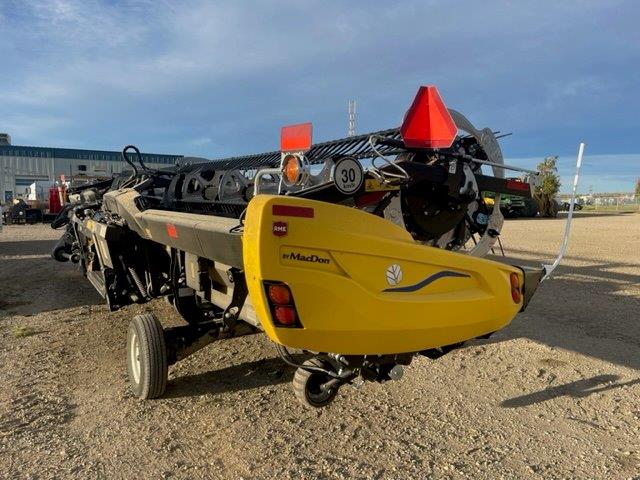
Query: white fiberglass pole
{"type": "Point", "coordinates": [565, 241]}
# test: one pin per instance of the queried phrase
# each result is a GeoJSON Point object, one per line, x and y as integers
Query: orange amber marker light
{"type": "Point", "coordinates": [291, 169]}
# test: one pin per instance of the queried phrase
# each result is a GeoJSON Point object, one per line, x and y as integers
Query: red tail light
{"type": "Point", "coordinates": [515, 287]}
{"type": "Point", "coordinates": [280, 294]}
{"type": "Point", "coordinates": [283, 309]}
{"type": "Point", "coordinates": [428, 123]}
{"type": "Point", "coordinates": [285, 316]}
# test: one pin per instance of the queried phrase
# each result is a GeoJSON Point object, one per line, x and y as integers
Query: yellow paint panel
{"type": "Point", "coordinates": [380, 293]}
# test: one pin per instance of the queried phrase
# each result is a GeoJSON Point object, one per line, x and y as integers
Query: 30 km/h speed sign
{"type": "Point", "coordinates": [348, 175]}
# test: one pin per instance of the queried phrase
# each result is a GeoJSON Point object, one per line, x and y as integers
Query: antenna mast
{"type": "Point", "coordinates": [351, 131]}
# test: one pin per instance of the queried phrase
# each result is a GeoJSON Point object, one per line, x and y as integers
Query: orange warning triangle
{"type": "Point", "coordinates": [428, 123]}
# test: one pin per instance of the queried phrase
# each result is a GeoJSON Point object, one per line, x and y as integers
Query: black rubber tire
{"type": "Point", "coordinates": [149, 379]}
{"type": "Point", "coordinates": [306, 385]}
{"type": "Point", "coordinates": [60, 253]}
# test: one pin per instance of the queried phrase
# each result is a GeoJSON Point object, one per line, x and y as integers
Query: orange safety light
{"type": "Point", "coordinates": [291, 169]}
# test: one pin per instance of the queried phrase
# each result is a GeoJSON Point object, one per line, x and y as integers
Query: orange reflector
{"type": "Point", "coordinates": [280, 294]}
{"type": "Point", "coordinates": [172, 231]}
{"type": "Point", "coordinates": [296, 138]}
{"type": "Point", "coordinates": [285, 315]}
{"type": "Point", "coordinates": [515, 281]}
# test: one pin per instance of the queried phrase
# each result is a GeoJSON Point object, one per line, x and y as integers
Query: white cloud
{"type": "Point", "coordinates": [201, 141]}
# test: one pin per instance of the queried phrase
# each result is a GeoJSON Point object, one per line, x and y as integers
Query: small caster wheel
{"type": "Point", "coordinates": [146, 357]}
{"type": "Point", "coordinates": [307, 385]}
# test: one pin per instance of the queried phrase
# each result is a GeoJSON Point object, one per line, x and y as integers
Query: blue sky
{"type": "Point", "coordinates": [220, 78]}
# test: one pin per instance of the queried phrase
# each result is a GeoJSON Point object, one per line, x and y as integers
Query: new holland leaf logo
{"type": "Point", "coordinates": [394, 274]}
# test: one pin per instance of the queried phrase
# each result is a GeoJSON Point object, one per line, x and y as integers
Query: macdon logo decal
{"type": "Point", "coordinates": [305, 258]}
{"type": "Point", "coordinates": [280, 229]}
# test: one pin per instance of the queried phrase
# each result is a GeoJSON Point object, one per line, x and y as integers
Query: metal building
{"type": "Point", "coordinates": [20, 166]}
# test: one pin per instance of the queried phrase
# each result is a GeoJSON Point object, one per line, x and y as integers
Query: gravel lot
{"type": "Point", "coordinates": [554, 395]}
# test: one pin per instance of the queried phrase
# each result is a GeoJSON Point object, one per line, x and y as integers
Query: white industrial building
{"type": "Point", "coordinates": [21, 166]}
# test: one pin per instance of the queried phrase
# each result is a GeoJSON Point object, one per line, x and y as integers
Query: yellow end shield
{"type": "Point", "coordinates": [362, 285]}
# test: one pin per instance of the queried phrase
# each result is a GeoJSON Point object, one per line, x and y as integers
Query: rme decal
{"type": "Point", "coordinates": [306, 258]}
{"type": "Point", "coordinates": [280, 229]}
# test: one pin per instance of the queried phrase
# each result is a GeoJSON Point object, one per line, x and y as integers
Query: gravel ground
{"type": "Point", "coordinates": [554, 395]}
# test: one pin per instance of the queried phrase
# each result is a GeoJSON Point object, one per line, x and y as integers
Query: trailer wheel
{"type": "Point", "coordinates": [146, 357]}
{"type": "Point", "coordinates": [306, 385]}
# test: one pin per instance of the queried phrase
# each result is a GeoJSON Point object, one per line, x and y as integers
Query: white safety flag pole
{"type": "Point", "coordinates": [565, 241]}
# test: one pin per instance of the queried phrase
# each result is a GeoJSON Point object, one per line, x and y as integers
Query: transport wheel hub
{"type": "Point", "coordinates": [135, 358]}
{"type": "Point", "coordinates": [317, 390]}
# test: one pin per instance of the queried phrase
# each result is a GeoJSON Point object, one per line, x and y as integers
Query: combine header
{"type": "Point", "coordinates": [362, 252]}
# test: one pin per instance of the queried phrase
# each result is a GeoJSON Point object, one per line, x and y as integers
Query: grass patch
{"type": "Point", "coordinates": [611, 208]}
{"type": "Point", "coordinates": [22, 331]}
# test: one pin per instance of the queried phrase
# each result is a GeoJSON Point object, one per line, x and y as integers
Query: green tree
{"type": "Point", "coordinates": [549, 186]}
{"type": "Point", "coordinates": [638, 188]}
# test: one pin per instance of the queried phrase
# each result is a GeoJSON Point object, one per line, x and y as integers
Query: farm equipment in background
{"type": "Point", "coordinates": [366, 268]}
{"type": "Point", "coordinates": [19, 212]}
{"type": "Point", "coordinates": [513, 206]}
{"type": "Point", "coordinates": [42, 201]}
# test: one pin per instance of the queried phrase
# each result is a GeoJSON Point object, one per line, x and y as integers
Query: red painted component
{"type": "Point", "coordinates": [428, 123]}
{"type": "Point", "coordinates": [55, 205]}
{"type": "Point", "coordinates": [285, 315]}
{"type": "Point", "coordinates": [292, 211]}
{"type": "Point", "coordinates": [172, 231]}
{"type": "Point", "coordinates": [296, 138]}
{"type": "Point", "coordinates": [280, 294]}
{"type": "Point", "coordinates": [369, 198]}
{"type": "Point", "coordinates": [517, 185]}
